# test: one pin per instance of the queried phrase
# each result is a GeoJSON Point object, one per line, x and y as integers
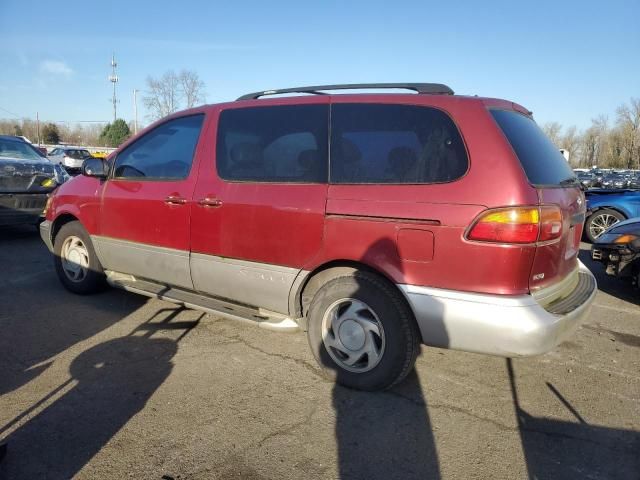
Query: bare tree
{"type": "Point", "coordinates": [163, 95]}
{"type": "Point", "coordinates": [192, 88]}
{"type": "Point", "coordinates": [171, 92]}
{"type": "Point", "coordinates": [628, 125]}
{"type": "Point", "coordinates": [571, 143]}
{"type": "Point", "coordinates": [552, 130]}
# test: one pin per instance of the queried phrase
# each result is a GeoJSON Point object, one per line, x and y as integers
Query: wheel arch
{"type": "Point", "coordinates": [301, 297]}
{"type": "Point", "coordinates": [59, 221]}
{"type": "Point", "coordinates": [616, 208]}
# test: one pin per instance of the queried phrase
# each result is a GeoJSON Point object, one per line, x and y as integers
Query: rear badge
{"type": "Point", "coordinates": [538, 276]}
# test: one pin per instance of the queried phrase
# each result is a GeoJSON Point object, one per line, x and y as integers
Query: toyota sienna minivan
{"type": "Point", "coordinates": [375, 222]}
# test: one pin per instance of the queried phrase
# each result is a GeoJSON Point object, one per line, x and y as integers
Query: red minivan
{"type": "Point", "coordinates": [374, 221]}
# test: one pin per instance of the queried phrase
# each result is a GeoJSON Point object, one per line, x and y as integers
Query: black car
{"type": "Point", "coordinates": [614, 180]}
{"type": "Point", "coordinates": [619, 250]}
{"type": "Point", "coordinates": [634, 182]}
{"type": "Point", "coordinates": [26, 178]}
{"type": "Point", "coordinates": [586, 179]}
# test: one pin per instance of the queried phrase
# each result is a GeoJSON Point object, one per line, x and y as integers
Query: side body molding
{"type": "Point", "coordinates": [251, 283]}
{"type": "Point", "coordinates": [166, 265]}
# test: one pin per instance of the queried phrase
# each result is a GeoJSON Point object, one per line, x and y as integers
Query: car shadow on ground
{"type": "Point", "coordinates": [109, 383]}
{"type": "Point", "coordinates": [558, 449]}
{"type": "Point", "coordinates": [39, 318]}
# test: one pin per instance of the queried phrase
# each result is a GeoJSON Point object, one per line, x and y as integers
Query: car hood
{"type": "Point", "coordinates": [627, 223]}
{"type": "Point", "coordinates": [21, 176]}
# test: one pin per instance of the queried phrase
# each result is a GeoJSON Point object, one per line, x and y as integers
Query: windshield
{"type": "Point", "coordinates": [19, 150]}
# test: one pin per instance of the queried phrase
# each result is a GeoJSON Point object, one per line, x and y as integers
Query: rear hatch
{"type": "Point", "coordinates": [557, 186]}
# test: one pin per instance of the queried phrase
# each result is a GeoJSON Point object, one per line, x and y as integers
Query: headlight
{"type": "Point", "coordinates": [48, 182]}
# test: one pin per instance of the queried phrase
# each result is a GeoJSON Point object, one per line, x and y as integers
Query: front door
{"type": "Point", "coordinates": [258, 213]}
{"type": "Point", "coordinates": [144, 224]}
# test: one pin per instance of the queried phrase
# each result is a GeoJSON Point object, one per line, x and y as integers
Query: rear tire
{"type": "Point", "coordinates": [75, 260]}
{"type": "Point", "coordinates": [362, 332]}
{"type": "Point", "coordinates": [599, 221]}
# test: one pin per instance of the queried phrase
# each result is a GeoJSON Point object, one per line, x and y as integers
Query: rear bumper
{"type": "Point", "coordinates": [508, 326]}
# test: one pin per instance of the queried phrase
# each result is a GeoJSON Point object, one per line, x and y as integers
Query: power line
{"type": "Point", "coordinates": [10, 113]}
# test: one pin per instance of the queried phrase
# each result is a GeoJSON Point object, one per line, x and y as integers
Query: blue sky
{"type": "Point", "coordinates": [568, 61]}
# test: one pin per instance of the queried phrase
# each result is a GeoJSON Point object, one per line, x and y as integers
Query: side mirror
{"type": "Point", "coordinates": [94, 167]}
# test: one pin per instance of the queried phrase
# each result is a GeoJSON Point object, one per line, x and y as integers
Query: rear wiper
{"type": "Point", "coordinates": [569, 181]}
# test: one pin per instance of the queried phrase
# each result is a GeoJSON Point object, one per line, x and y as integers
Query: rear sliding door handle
{"type": "Point", "coordinates": [210, 202]}
{"type": "Point", "coordinates": [175, 200]}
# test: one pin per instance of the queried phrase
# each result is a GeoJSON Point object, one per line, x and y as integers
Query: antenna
{"type": "Point", "coordinates": [113, 78]}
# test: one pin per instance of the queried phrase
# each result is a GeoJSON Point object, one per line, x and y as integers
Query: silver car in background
{"type": "Point", "coordinates": [71, 158]}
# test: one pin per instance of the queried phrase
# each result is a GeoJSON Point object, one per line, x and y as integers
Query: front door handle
{"type": "Point", "coordinates": [210, 202]}
{"type": "Point", "coordinates": [175, 200]}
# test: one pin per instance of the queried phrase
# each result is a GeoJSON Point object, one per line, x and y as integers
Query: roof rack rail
{"type": "Point", "coordinates": [430, 88]}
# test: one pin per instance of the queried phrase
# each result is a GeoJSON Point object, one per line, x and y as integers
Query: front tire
{"type": "Point", "coordinates": [600, 221]}
{"type": "Point", "coordinates": [362, 332]}
{"type": "Point", "coordinates": [75, 260]}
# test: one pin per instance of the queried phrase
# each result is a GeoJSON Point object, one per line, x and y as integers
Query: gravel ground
{"type": "Point", "coordinates": [116, 385]}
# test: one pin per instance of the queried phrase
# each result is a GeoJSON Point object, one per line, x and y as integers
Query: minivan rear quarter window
{"type": "Point", "coordinates": [541, 160]}
{"type": "Point", "coordinates": [394, 144]}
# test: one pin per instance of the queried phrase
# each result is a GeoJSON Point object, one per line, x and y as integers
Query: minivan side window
{"type": "Point", "coordinates": [394, 144]}
{"type": "Point", "coordinates": [164, 153]}
{"type": "Point", "coordinates": [277, 144]}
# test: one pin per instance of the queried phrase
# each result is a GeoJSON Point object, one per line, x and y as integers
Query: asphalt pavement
{"type": "Point", "coordinates": [116, 385]}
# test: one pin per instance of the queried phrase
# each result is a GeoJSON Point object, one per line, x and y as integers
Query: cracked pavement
{"type": "Point", "coordinates": [118, 385]}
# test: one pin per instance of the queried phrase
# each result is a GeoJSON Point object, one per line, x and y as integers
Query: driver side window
{"type": "Point", "coordinates": [164, 153]}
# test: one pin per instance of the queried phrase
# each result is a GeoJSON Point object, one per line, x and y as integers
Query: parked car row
{"type": "Point", "coordinates": [609, 179]}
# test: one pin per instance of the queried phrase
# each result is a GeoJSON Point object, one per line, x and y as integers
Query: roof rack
{"type": "Point", "coordinates": [430, 88]}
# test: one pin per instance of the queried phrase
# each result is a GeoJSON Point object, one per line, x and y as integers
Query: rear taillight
{"type": "Point", "coordinates": [550, 223]}
{"type": "Point", "coordinates": [518, 225]}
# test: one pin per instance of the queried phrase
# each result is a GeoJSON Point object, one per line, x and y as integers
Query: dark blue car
{"type": "Point", "coordinates": [608, 207]}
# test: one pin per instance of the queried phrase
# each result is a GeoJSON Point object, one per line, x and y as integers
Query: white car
{"type": "Point", "coordinates": [71, 158]}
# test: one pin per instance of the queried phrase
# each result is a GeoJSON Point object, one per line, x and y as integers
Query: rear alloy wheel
{"type": "Point", "coordinates": [76, 263]}
{"type": "Point", "coordinates": [362, 332]}
{"type": "Point", "coordinates": [600, 221]}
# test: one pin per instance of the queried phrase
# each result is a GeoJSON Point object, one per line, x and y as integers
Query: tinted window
{"type": "Point", "coordinates": [394, 144]}
{"type": "Point", "coordinates": [542, 161]}
{"type": "Point", "coordinates": [166, 152]}
{"type": "Point", "coordinates": [273, 144]}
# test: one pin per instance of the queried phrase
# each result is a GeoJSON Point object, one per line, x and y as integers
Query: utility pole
{"type": "Point", "coordinates": [135, 111]}
{"type": "Point", "coordinates": [38, 126]}
{"type": "Point", "coordinates": [113, 78]}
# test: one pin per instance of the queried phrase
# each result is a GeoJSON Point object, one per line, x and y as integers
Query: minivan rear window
{"type": "Point", "coordinates": [541, 160]}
